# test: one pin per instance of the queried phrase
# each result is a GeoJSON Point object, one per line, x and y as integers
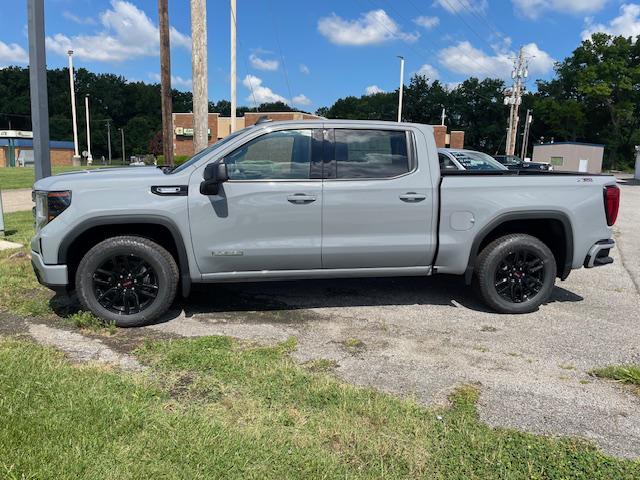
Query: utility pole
{"type": "Point", "coordinates": [232, 6]}
{"type": "Point", "coordinates": [525, 137]}
{"type": "Point", "coordinates": [199, 74]}
{"type": "Point", "coordinates": [165, 82]}
{"type": "Point", "coordinates": [514, 99]}
{"type": "Point", "coordinates": [38, 89]}
{"type": "Point", "coordinates": [401, 87]}
{"type": "Point", "coordinates": [86, 108]}
{"type": "Point", "coordinates": [72, 89]}
{"type": "Point", "coordinates": [443, 116]}
{"type": "Point", "coordinates": [109, 139]}
{"type": "Point", "coordinates": [122, 137]}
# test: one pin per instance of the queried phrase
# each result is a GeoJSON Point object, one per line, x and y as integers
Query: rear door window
{"type": "Point", "coordinates": [370, 153]}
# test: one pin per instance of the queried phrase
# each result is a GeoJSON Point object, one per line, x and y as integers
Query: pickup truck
{"type": "Point", "coordinates": [315, 199]}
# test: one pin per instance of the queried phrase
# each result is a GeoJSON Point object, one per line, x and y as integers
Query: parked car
{"type": "Point", "coordinates": [513, 162]}
{"type": "Point", "coordinates": [315, 199]}
{"type": "Point", "coordinates": [459, 159]}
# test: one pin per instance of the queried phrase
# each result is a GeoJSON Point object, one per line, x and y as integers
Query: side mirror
{"type": "Point", "coordinates": [214, 174]}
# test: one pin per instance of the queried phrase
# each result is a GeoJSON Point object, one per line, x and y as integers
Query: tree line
{"type": "Point", "coordinates": [594, 97]}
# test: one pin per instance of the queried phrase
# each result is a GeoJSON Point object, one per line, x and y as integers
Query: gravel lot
{"type": "Point", "coordinates": [426, 336]}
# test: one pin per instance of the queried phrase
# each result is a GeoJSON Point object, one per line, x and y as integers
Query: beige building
{"type": "Point", "coordinates": [570, 156]}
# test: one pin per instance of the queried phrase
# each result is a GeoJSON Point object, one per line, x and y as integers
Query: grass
{"type": "Point", "coordinates": [16, 177]}
{"type": "Point", "coordinates": [217, 408]}
{"type": "Point", "coordinates": [628, 374]}
{"type": "Point", "coordinates": [20, 292]}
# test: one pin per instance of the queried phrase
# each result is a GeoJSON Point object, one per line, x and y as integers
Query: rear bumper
{"type": "Point", "coordinates": [54, 277]}
{"type": "Point", "coordinates": [599, 254]}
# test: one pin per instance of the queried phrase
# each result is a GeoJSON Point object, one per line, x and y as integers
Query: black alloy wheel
{"type": "Point", "coordinates": [128, 280]}
{"type": "Point", "coordinates": [125, 284]}
{"type": "Point", "coordinates": [515, 273]}
{"type": "Point", "coordinates": [519, 276]}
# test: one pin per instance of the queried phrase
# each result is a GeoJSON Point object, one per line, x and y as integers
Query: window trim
{"type": "Point", "coordinates": [333, 163]}
{"type": "Point", "coordinates": [313, 169]}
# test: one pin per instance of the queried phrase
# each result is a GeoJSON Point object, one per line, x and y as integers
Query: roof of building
{"type": "Point", "coordinates": [582, 144]}
{"type": "Point", "coordinates": [27, 142]}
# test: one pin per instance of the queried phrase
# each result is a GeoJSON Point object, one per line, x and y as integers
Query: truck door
{"type": "Point", "coordinates": [267, 216]}
{"type": "Point", "coordinates": [378, 200]}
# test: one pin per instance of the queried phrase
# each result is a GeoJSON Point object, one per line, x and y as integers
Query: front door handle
{"type": "Point", "coordinates": [301, 198]}
{"type": "Point", "coordinates": [412, 197]}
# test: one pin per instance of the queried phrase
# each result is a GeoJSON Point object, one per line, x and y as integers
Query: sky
{"type": "Point", "coordinates": [310, 53]}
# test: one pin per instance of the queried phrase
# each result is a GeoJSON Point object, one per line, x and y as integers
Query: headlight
{"type": "Point", "coordinates": [49, 205]}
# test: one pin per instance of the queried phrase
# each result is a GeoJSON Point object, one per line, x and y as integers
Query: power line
{"type": "Point", "coordinates": [481, 67]}
{"type": "Point", "coordinates": [284, 66]}
{"type": "Point", "coordinates": [483, 17]}
{"type": "Point", "coordinates": [246, 67]}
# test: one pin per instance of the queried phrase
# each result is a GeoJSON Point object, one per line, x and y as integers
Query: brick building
{"type": "Point", "coordinates": [220, 127]}
{"type": "Point", "coordinates": [455, 139]}
{"type": "Point", "coordinates": [16, 148]}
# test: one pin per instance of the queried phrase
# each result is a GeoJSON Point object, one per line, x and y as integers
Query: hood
{"type": "Point", "coordinates": [66, 181]}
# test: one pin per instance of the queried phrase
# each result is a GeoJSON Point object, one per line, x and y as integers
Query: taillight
{"type": "Point", "coordinates": [611, 203]}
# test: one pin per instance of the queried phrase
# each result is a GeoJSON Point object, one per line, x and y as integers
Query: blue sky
{"type": "Point", "coordinates": [310, 53]}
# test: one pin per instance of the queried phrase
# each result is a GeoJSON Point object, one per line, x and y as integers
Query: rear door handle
{"type": "Point", "coordinates": [412, 197]}
{"type": "Point", "coordinates": [301, 198]}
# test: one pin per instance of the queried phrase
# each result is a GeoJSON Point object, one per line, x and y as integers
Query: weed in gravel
{"type": "Point", "coordinates": [354, 346]}
{"type": "Point", "coordinates": [629, 374]}
{"type": "Point", "coordinates": [88, 321]}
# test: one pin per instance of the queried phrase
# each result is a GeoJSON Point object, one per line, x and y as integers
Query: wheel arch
{"type": "Point", "coordinates": [157, 228]}
{"type": "Point", "coordinates": [546, 225]}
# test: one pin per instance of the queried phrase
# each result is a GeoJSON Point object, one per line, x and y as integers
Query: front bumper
{"type": "Point", "coordinates": [599, 254]}
{"type": "Point", "coordinates": [54, 277]}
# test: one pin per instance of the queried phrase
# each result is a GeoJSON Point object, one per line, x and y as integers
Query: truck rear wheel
{"type": "Point", "coordinates": [515, 274]}
{"type": "Point", "coordinates": [128, 280]}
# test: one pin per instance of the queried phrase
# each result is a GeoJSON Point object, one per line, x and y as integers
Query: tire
{"type": "Point", "coordinates": [515, 274]}
{"type": "Point", "coordinates": [128, 280]}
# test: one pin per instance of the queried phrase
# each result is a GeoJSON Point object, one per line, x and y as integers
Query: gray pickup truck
{"type": "Point", "coordinates": [315, 199]}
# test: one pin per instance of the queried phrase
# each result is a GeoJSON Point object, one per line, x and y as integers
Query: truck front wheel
{"type": "Point", "coordinates": [515, 274]}
{"type": "Point", "coordinates": [128, 280]}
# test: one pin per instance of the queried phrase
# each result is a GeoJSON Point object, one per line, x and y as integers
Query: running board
{"type": "Point", "coordinates": [275, 275]}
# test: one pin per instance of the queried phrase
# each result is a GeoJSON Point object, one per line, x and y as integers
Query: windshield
{"type": "Point", "coordinates": [477, 161]}
{"type": "Point", "coordinates": [508, 159]}
{"type": "Point", "coordinates": [208, 150]}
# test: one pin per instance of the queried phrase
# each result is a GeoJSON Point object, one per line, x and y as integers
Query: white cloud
{"type": "Point", "coordinates": [127, 33]}
{"type": "Point", "coordinates": [177, 81]}
{"type": "Point", "coordinates": [535, 8]}
{"type": "Point", "coordinates": [371, 28]}
{"type": "Point", "coordinates": [428, 71]}
{"type": "Point", "coordinates": [261, 93]}
{"type": "Point", "coordinates": [301, 100]}
{"type": "Point", "coordinates": [465, 59]}
{"type": "Point", "coordinates": [12, 53]}
{"type": "Point", "coordinates": [462, 6]}
{"type": "Point", "coordinates": [304, 69]}
{"type": "Point", "coordinates": [80, 20]}
{"type": "Point", "coordinates": [626, 24]}
{"type": "Point", "coordinates": [427, 22]}
{"type": "Point", "coordinates": [262, 64]}
{"type": "Point", "coordinates": [372, 90]}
